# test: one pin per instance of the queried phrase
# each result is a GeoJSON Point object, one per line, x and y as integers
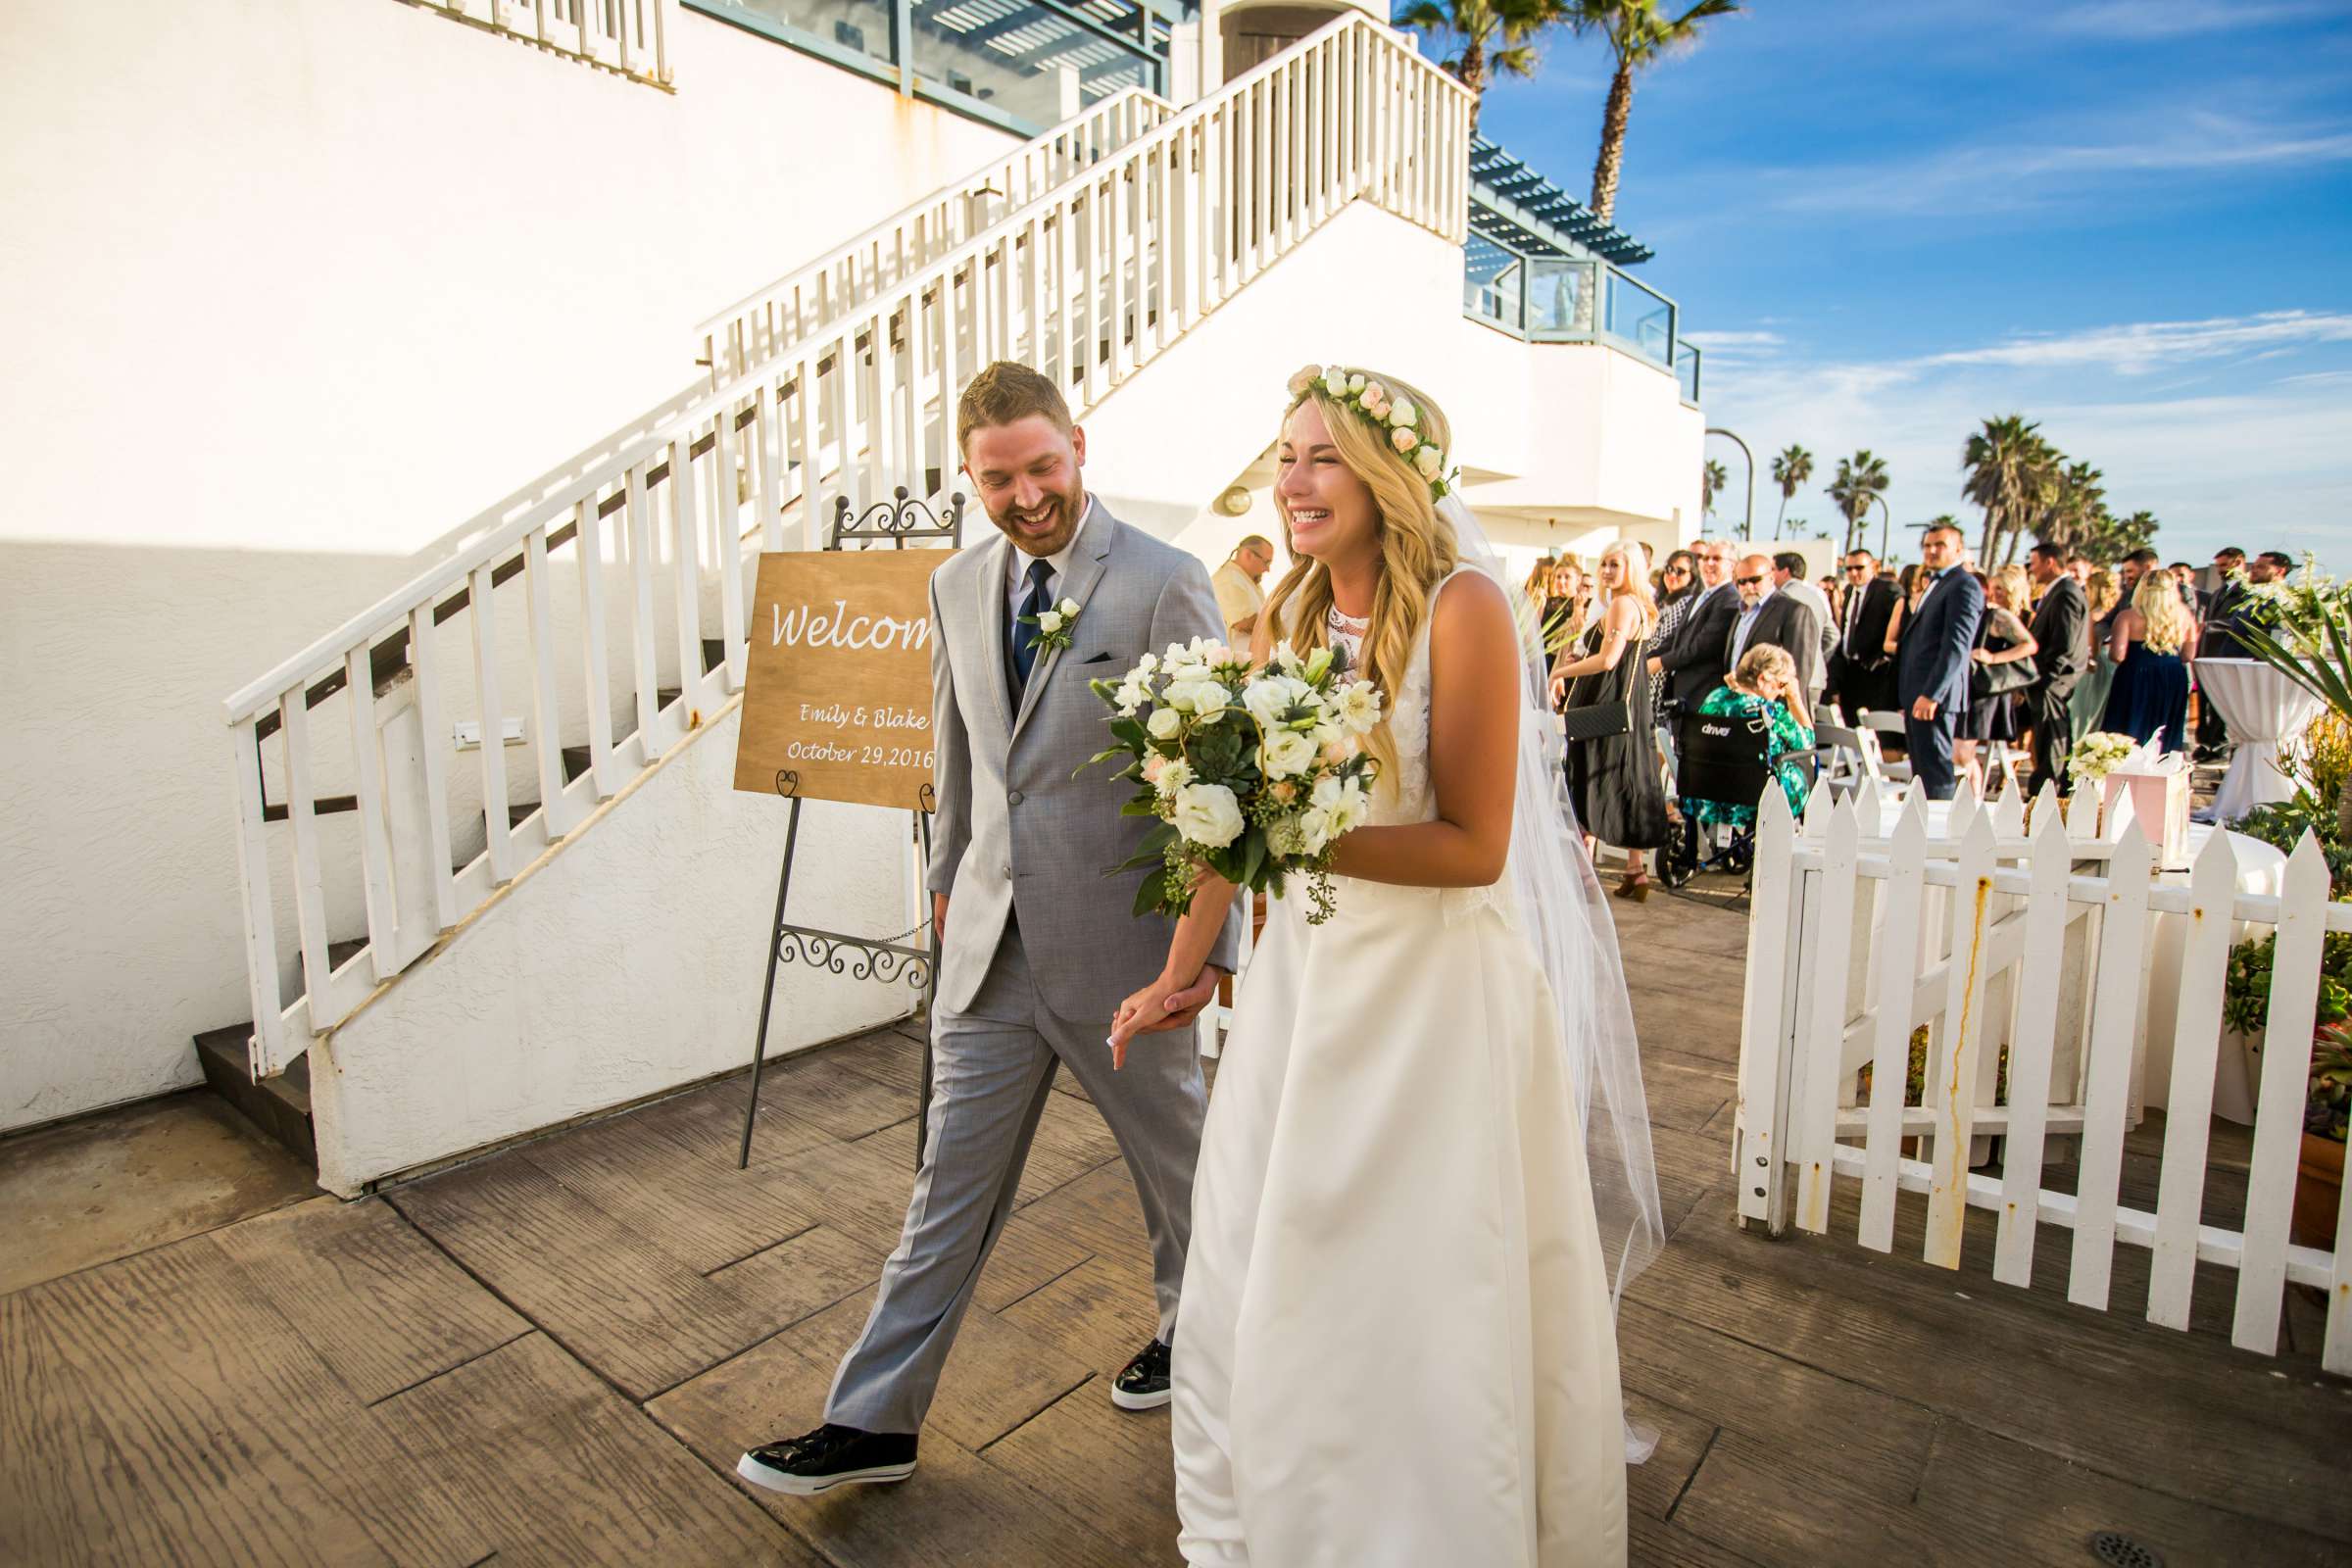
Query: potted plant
{"type": "Point", "coordinates": [2320, 1175]}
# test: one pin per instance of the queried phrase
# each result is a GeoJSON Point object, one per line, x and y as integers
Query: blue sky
{"type": "Point", "coordinates": [2130, 219]}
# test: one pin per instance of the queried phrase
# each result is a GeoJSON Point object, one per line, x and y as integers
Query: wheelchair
{"type": "Point", "coordinates": [1721, 758]}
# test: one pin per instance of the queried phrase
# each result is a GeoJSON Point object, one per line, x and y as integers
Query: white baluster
{"type": "Point", "coordinates": [482, 612]}
{"type": "Point", "coordinates": [2189, 1112]}
{"type": "Point", "coordinates": [641, 621]}
{"type": "Point", "coordinates": [2280, 1096]}
{"type": "Point", "coordinates": [1952, 1069]}
{"type": "Point", "coordinates": [433, 744]}
{"type": "Point", "coordinates": [2030, 1051]}
{"type": "Point", "coordinates": [1890, 1055]}
{"type": "Point", "coordinates": [1764, 1020]}
{"type": "Point", "coordinates": [2115, 1021]}
{"type": "Point", "coordinates": [547, 720]}
{"type": "Point", "coordinates": [310, 884]}
{"type": "Point", "coordinates": [269, 1054]}
{"type": "Point", "coordinates": [1813, 1121]}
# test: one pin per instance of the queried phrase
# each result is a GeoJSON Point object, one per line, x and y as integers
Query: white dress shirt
{"type": "Point", "coordinates": [1017, 562]}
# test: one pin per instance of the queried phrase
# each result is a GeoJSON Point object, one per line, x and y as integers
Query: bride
{"type": "Point", "coordinates": [1425, 1169]}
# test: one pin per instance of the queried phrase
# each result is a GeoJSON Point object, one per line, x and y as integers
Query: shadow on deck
{"type": "Point", "coordinates": [554, 1354]}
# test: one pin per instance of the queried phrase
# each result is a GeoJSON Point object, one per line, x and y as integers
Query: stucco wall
{"type": "Point", "coordinates": [297, 287]}
{"type": "Point", "coordinates": [628, 962]}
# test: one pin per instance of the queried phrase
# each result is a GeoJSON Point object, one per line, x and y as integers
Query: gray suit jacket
{"type": "Point", "coordinates": [1014, 834]}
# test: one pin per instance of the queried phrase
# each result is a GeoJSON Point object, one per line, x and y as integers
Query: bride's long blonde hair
{"type": "Point", "coordinates": [1417, 547]}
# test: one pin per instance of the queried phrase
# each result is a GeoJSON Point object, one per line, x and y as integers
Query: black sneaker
{"type": "Point", "coordinates": [1142, 1383]}
{"type": "Point", "coordinates": [828, 1458]}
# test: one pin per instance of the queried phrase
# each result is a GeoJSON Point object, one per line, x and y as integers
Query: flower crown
{"type": "Point", "coordinates": [1395, 417]}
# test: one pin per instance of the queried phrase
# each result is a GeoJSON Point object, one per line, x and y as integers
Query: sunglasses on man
{"type": "Point", "coordinates": [1748, 582]}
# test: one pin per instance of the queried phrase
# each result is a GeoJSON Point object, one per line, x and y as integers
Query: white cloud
{"type": "Point", "coordinates": [1714, 341]}
{"type": "Point", "coordinates": [2137, 348]}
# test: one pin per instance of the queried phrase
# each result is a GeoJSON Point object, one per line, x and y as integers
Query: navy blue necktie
{"type": "Point", "coordinates": [1023, 641]}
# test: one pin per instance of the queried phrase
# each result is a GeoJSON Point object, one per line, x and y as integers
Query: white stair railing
{"type": "Point", "coordinates": [584, 601]}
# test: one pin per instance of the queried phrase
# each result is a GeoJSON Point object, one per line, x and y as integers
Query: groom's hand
{"type": "Point", "coordinates": [1185, 1005]}
{"type": "Point", "coordinates": [939, 916]}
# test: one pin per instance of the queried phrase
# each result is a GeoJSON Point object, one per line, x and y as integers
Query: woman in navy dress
{"type": "Point", "coordinates": [2153, 643]}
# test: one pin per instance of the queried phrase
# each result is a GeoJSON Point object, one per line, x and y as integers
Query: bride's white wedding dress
{"type": "Point", "coordinates": [1397, 1343]}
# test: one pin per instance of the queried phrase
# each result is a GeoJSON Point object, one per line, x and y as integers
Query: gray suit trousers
{"type": "Point", "coordinates": [995, 1062]}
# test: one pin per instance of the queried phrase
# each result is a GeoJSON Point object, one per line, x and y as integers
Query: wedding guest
{"type": "Point", "coordinates": [1237, 583]}
{"type": "Point", "coordinates": [1614, 778]}
{"type": "Point", "coordinates": [1910, 586]}
{"type": "Point", "coordinates": [1932, 664]}
{"type": "Point", "coordinates": [2080, 567]}
{"type": "Point", "coordinates": [1788, 577]}
{"type": "Point", "coordinates": [2061, 632]}
{"type": "Point", "coordinates": [1764, 684]}
{"type": "Point", "coordinates": [2153, 642]}
{"type": "Point", "coordinates": [1679, 580]}
{"type": "Point", "coordinates": [2100, 596]}
{"type": "Point", "coordinates": [1767, 614]}
{"type": "Point", "coordinates": [2216, 638]}
{"type": "Point", "coordinates": [1693, 663]}
{"type": "Point", "coordinates": [2002, 638]}
{"type": "Point", "coordinates": [1861, 673]}
{"type": "Point", "coordinates": [2228, 562]}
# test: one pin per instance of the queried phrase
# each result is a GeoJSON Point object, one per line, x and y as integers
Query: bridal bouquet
{"type": "Point", "coordinates": [1256, 776]}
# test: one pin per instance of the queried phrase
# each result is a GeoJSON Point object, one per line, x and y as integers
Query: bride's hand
{"type": "Point", "coordinates": [1161, 1005]}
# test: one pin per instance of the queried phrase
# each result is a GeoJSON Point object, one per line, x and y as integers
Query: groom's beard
{"type": "Point", "coordinates": [1046, 528]}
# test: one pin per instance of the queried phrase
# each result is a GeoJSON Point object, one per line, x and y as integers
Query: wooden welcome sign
{"type": "Point", "coordinates": [838, 689]}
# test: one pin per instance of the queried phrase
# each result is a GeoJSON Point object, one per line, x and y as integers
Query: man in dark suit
{"type": "Point", "coordinates": [1693, 661]}
{"type": "Point", "coordinates": [1769, 613]}
{"type": "Point", "coordinates": [1931, 678]}
{"type": "Point", "coordinates": [1859, 664]}
{"type": "Point", "coordinates": [2061, 633]}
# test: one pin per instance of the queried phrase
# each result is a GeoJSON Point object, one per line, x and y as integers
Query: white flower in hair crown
{"type": "Point", "coordinates": [1395, 417]}
{"type": "Point", "coordinates": [1053, 626]}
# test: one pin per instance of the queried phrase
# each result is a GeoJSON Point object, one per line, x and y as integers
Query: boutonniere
{"type": "Point", "coordinates": [1053, 626]}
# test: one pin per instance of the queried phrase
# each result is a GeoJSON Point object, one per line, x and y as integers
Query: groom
{"type": "Point", "coordinates": [1038, 945]}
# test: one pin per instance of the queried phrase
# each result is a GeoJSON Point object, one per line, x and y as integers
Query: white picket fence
{"type": "Point", "coordinates": [585, 597]}
{"type": "Point", "coordinates": [2033, 951]}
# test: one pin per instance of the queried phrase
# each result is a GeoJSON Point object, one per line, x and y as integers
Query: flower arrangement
{"type": "Point", "coordinates": [2296, 608]}
{"type": "Point", "coordinates": [1053, 626]}
{"type": "Point", "coordinates": [1254, 774]}
{"type": "Point", "coordinates": [1395, 417]}
{"type": "Point", "coordinates": [2097, 755]}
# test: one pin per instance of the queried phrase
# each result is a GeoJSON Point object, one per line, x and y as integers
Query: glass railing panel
{"type": "Point", "coordinates": [859, 26]}
{"type": "Point", "coordinates": [1560, 299]}
{"type": "Point", "coordinates": [1492, 280]}
{"type": "Point", "coordinates": [1686, 371]}
{"type": "Point", "coordinates": [1032, 65]}
{"type": "Point", "coordinates": [1638, 317]}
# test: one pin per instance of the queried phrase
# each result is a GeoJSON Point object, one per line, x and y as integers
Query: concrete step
{"type": "Point", "coordinates": [279, 1106]}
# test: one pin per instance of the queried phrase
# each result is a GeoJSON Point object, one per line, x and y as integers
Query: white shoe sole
{"type": "Point", "coordinates": [760, 1475]}
{"type": "Point", "coordinates": [1140, 1401]}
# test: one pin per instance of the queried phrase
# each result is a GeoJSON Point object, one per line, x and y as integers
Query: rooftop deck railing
{"type": "Point", "coordinates": [1577, 300]}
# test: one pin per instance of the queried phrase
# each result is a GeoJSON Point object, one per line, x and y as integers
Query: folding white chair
{"type": "Point", "coordinates": [1872, 726]}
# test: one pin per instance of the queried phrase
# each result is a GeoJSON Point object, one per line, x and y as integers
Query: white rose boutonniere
{"type": "Point", "coordinates": [1053, 626]}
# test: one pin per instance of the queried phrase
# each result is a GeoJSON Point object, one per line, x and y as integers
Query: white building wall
{"type": "Point", "coordinates": [296, 287]}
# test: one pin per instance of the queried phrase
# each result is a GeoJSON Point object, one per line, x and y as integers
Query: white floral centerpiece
{"type": "Point", "coordinates": [2296, 608]}
{"type": "Point", "coordinates": [1254, 774]}
{"type": "Point", "coordinates": [2097, 755]}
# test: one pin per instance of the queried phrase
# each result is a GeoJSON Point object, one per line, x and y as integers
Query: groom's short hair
{"type": "Point", "coordinates": [1006, 393]}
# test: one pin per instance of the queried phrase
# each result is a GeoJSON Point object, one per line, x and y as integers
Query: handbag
{"type": "Point", "coordinates": [1598, 722]}
{"type": "Point", "coordinates": [1987, 682]}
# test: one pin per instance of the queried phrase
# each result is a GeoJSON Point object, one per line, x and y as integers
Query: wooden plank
{"type": "Point", "coordinates": [2029, 1051]}
{"type": "Point", "coordinates": [1762, 1037]}
{"type": "Point", "coordinates": [1813, 1118]}
{"type": "Point", "coordinates": [613, 1297]}
{"type": "Point", "coordinates": [1097, 1462]}
{"type": "Point", "coordinates": [2188, 1113]}
{"type": "Point", "coordinates": [953, 1510]}
{"type": "Point", "coordinates": [269, 1459]}
{"type": "Point", "coordinates": [67, 1493]}
{"type": "Point", "coordinates": [376, 1302]}
{"type": "Point", "coordinates": [375, 845]}
{"type": "Point", "coordinates": [546, 718]}
{"type": "Point", "coordinates": [1099, 1314]}
{"type": "Point", "coordinates": [432, 750]}
{"type": "Point", "coordinates": [804, 1274]}
{"type": "Point", "coordinates": [558, 1469]}
{"type": "Point", "coordinates": [490, 705]}
{"type": "Point", "coordinates": [1683, 1091]}
{"type": "Point", "coordinates": [310, 883]}
{"type": "Point", "coordinates": [2280, 1098]}
{"type": "Point", "coordinates": [2113, 1026]}
{"type": "Point", "coordinates": [1952, 1071]}
{"type": "Point", "coordinates": [995, 1376]}
{"type": "Point", "coordinates": [1900, 903]}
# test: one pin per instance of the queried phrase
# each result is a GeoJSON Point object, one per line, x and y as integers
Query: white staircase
{"type": "Point", "coordinates": [606, 601]}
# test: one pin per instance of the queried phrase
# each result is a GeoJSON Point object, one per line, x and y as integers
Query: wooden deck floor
{"type": "Point", "coordinates": [554, 1356]}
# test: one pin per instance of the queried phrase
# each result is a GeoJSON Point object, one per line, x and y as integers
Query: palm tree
{"type": "Point", "coordinates": [1861, 480]}
{"type": "Point", "coordinates": [1712, 477]}
{"type": "Point", "coordinates": [1639, 34]}
{"type": "Point", "coordinates": [2075, 500]}
{"type": "Point", "coordinates": [2008, 467]}
{"type": "Point", "coordinates": [1790, 470]}
{"type": "Point", "coordinates": [1497, 38]}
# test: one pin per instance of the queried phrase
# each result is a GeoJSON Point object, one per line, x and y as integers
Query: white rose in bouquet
{"type": "Point", "coordinates": [1286, 753]}
{"type": "Point", "coordinates": [1269, 696]}
{"type": "Point", "coordinates": [1164, 723]}
{"type": "Point", "coordinates": [1207, 814]}
{"type": "Point", "coordinates": [1359, 708]}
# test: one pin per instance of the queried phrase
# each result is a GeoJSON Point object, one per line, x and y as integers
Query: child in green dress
{"type": "Point", "coordinates": [1765, 683]}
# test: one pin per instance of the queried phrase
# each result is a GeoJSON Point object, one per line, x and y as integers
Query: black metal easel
{"type": "Point", "coordinates": [888, 959]}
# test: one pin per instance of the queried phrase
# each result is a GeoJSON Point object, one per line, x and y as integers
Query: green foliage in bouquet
{"type": "Point", "coordinates": [1253, 774]}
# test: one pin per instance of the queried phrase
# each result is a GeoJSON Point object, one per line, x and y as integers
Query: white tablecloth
{"type": "Point", "coordinates": [2262, 709]}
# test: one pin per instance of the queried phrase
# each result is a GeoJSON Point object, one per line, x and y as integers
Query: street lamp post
{"type": "Point", "coordinates": [1748, 526]}
{"type": "Point", "coordinates": [1885, 521]}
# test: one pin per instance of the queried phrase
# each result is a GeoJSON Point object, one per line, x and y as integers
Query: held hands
{"type": "Point", "coordinates": [1161, 1005]}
